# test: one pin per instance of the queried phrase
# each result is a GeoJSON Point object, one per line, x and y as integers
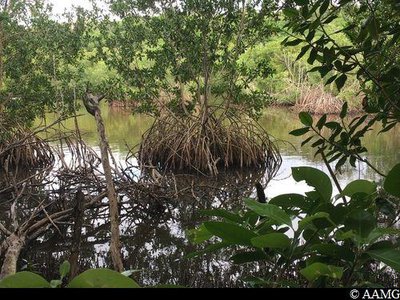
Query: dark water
{"type": "Point", "coordinates": [154, 233]}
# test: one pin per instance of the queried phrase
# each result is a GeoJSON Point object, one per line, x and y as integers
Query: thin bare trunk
{"type": "Point", "coordinates": [115, 247]}
{"type": "Point", "coordinates": [14, 246]}
{"type": "Point", "coordinates": [182, 92]}
{"type": "Point", "coordinates": [76, 238]}
{"type": "Point", "coordinates": [207, 88]}
{"type": "Point", "coordinates": [1, 55]}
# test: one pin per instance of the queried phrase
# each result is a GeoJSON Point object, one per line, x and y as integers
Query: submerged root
{"type": "Point", "coordinates": [189, 144]}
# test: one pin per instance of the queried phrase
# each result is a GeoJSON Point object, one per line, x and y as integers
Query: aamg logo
{"type": "Point", "coordinates": [379, 294]}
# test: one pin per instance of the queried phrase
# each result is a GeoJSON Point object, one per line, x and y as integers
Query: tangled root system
{"type": "Point", "coordinates": [189, 144]}
{"type": "Point", "coordinates": [19, 148]}
{"type": "Point", "coordinates": [317, 101]}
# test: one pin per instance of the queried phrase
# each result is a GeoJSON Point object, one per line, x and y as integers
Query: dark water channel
{"type": "Point", "coordinates": [154, 235]}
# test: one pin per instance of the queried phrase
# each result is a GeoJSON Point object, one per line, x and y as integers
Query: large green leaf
{"type": "Point", "coordinates": [199, 235]}
{"type": "Point", "coordinates": [316, 270]}
{"type": "Point", "coordinates": [306, 118]}
{"type": "Point", "coordinates": [272, 240]}
{"type": "Point", "coordinates": [359, 186]}
{"type": "Point", "coordinates": [230, 233]}
{"type": "Point", "coordinates": [64, 269]}
{"type": "Point", "coordinates": [270, 211]}
{"type": "Point", "coordinates": [290, 200]}
{"type": "Point", "coordinates": [102, 278]}
{"type": "Point", "coordinates": [309, 220]}
{"type": "Point", "coordinates": [315, 178]}
{"type": "Point", "coordinates": [377, 233]}
{"type": "Point", "coordinates": [333, 251]}
{"type": "Point", "coordinates": [390, 257]}
{"type": "Point", "coordinates": [24, 280]}
{"type": "Point", "coordinates": [361, 221]}
{"type": "Point", "coordinates": [246, 257]}
{"type": "Point", "coordinates": [392, 181]}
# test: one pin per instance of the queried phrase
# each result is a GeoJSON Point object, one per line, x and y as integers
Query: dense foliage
{"type": "Point", "coordinates": [35, 51]}
{"type": "Point", "coordinates": [316, 239]}
{"type": "Point", "coordinates": [185, 53]}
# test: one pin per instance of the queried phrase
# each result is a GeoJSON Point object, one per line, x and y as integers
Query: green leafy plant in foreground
{"type": "Point", "coordinates": [315, 239]}
{"type": "Point", "coordinates": [95, 278]}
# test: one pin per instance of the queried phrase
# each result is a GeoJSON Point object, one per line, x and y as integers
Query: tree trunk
{"type": "Point", "coordinates": [14, 247]}
{"type": "Point", "coordinates": [115, 248]}
{"type": "Point", "coordinates": [1, 55]}
{"type": "Point", "coordinates": [76, 238]}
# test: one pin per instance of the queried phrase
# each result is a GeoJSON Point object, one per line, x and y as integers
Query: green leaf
{"type": "Point", "coordinates": [270, 211]}
{"type": "Point", "coordinates": [24, 280]}
{"type": "Point", "coordinates": [390, 257]}
{"type": "Point", "coordinates": [318, 143]}
{"type": "Point", "coordinates": [306, 118]}
{"type": "Point", "coordinates": [321, 122]}
{"type": "Point", "coordinates": [246, 257]}
{"type": "Point", "coordinates": [344, 111]}
{"type": "Point", "coordinates": [199, 235]}
{"type": "Point", "coordinates": [303, 51]}
{"type": "Point", "coordinates": [300, 132]}
{"type": "Point", "coordinates": [317, 270]}
{"type": "Point", "coordinates": [315, 178]}
{"type": "Point", "coordinates": [309, 219]}
{"type": "Point", "coordinates": [334, 251]}
{"type": "Point", "coordinates": [359, 186]}
{"type": "Point", "coordinates": [361, 221]}
{"type": "Point", "coordinates": [272, 240]}
{"type": "Point", "coordinates": [331, 79]}
{"type": "Point", "coordinates": [324, 7]}
{"type": "Point", "coordinates": [55, 283]}
{"type": "Point", "coordinates": [290, 12]}
{"type": "Point", "coordinates": [306, 141]}
{"type": "Point", "coordinates": [373, 28]}
{"type": "Point", "coordinates": [342, 236]}
{"type": "Point", "coordinates": [340, 163]}
{"type": "Point", "coordinates": [392, 182]}
{"type": "Point", "coordinates": [380, 232]}
{"type": "Point", "coordinates": [294, 42]}
{"type": "Point", "coordinates": [340, 81]}
{"type": "Point", "coordinates": [289, 201]}
{"type": "Point", "coordinates": [313, 56]}
{"type": "Point", "coordinates": [64, 269]}
{"type": "Point", "coordinates": [231, 233]}
{"type": "Point", "coordinates": [102, 278]}
{"type": "Point", "coordinates": [388, 127]}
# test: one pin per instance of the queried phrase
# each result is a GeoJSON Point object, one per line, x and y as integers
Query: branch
{"type": "Point", "coordinates": [4, 230]}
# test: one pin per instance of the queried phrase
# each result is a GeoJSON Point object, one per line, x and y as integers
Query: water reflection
{"type": "Point", "coordinates": [153, 230]}
{"type": "Point", "coordinates": [153, 233]}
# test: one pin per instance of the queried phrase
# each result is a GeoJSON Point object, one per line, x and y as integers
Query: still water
{"type": "Point", "coordinates": [154, 234]}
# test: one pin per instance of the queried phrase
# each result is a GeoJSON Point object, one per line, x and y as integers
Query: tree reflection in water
{"type": "Point", "coordinates": [153, 233]}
